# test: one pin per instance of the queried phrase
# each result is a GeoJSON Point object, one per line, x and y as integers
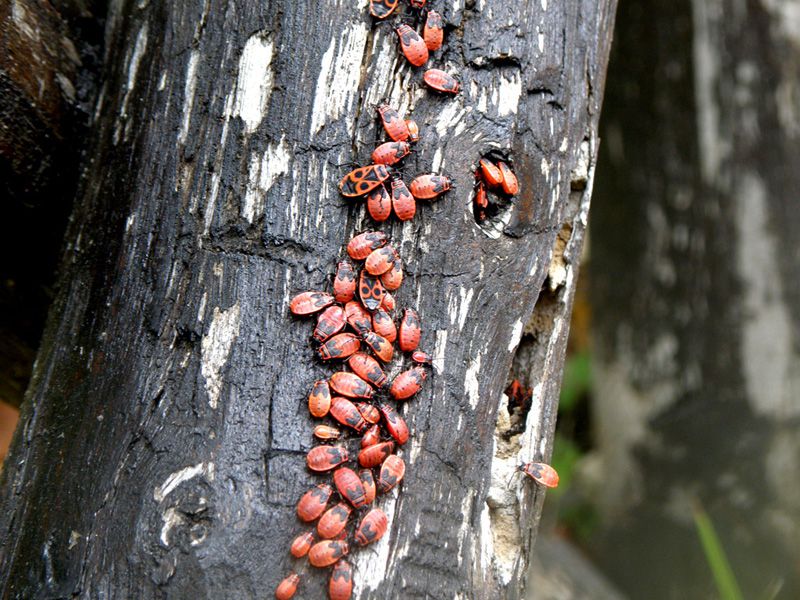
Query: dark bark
{"type": "Point", "coordinates": [162, 444]}
{"type": "Point", "coordinates": [695, 293]}
{"type": "Point", "coordinates": [48, 51]}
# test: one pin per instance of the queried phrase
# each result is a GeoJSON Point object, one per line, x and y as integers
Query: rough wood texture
{"type": "Point", "coordinates": [162, 445]}
{"type": "Point", "coordinates": [696, 297]}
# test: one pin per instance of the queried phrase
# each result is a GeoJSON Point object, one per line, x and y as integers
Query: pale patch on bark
{"type": "Point", "coordinates": [254, 83]}
{"type": "Point", "coordinates": [188, 94]}
{"type": "Point", "coordinates": [769, 364]}
{"type": "Point", "coordinates": [264, 171]}
{"type": "Point", "coordinates": [216, 347]}
{"type": "Point", "coordinates": [340, 73]}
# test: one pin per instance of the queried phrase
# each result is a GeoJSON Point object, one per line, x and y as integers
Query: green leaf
{"type": "Point", "coordinates": [726, 583]}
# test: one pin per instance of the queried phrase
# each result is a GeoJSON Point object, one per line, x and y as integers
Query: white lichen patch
{"type": "Point", "coordinates": [188, 94]}
{"type": "Point", "coordinates": [216, 347]}
{"type": "Point", "coordinates": [254, 81]}
{"type": "Point", "coordinates": [769, 363]}
{"type": "Point", "coordinates": [340, 73]}
{"type": "Point", "coordinates": [263, 172]}
{"type": "Point", "coordinates": [516, 335]}
{"type": "Point", "coordinates": [182, 475]}
{"type": "Point", "coordinates": [471, 385]}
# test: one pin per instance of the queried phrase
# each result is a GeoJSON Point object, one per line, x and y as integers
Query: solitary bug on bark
{"type": "Point", "coordinates": [427, 187]}
{"type": "Point", "coordinates": [350, 385]}
{"type": "Point", "coordinates": [433, 34]}
{"type": "Point", "coordinates": [327, 552]}
{"type": "Point", "coordinates": [390, 153]}
{"type": "Point", "coordinates": [363, 180]}
{"type": "Point", "coordinates": [313, 502]}
{"type": "Point", "coordinates": [363, 244]}
{"type": "Point", "coordinates": [287, 588]}
{"type": "Point", "coordinates": [393, 470]}
{"type": "Point", "coordinates": [307, 303]}
{"type": "Point", "coordinates": [329, 322]}
{"type": "Point", "coordinates": [372, 527]}
{"type": "Point", "coordinates": [302, 544]}
{"type": "Point", "coordinates": [412, 45]}
{"type": "Point", "coordinates": [441, 81]}
{"type": "Point", "coordinates": [541, 473]}
{"type": "Point", "coordinates": [340, 585]}
{"type": "Point", "coordinates": [394, 125]}
{"type": "Point", "coordinates": [325, 458]}
{"type": "Point", "coordinates": [333, 521]}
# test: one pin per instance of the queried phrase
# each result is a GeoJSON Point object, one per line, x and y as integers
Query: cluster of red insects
{"type": "Point", "coordinates": [355, 399]}
{"type": "Point", "coordinates": [362, 301]}
{"type": "Point", "coordinates": [498, 178]}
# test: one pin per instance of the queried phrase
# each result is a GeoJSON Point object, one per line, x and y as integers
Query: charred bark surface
{"type": "Point", "coordinates": [695, 297]}
{"type": "Point", "coordinates": [162, 445]}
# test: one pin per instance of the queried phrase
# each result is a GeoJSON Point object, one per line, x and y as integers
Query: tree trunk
{"type": "Point", "coordinates": [696, 298]}
{"type": "Point", "coordinates": [162, 445]}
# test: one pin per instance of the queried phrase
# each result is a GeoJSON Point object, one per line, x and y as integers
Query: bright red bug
{"type": "Point", "coordinates": [412, 45]}
{"type": "Point", "coordinates": [393, 470]}
{"type": "Point", "coordinates": [433, 33]}
{"type": "Point", "coordinates": [491, 174]}
{"type": "Point", "coordinates": [417, 3]}
{"type": "Point", "coordinates": [340, 585]}
{"type": "Point", "coordinates": [326, 432]}
{"type": "Point", "coordinates": [421, 358]}
{"type": "Point", "coordinates": [319, 400]}
{"type": "Point", "coordinates": [379, 204]}
{"type": "Point", "coordinates": [427, 187]}
{"type": "Point", "coordinates": [379, 345]}
{"type": "Point", "coordinates": [307, 303]}
{"type": "Point", "coordinates": [395, 424]}
{"type": "Point", "coordinates": [371, 414]}
{"type": "Point", "coordinates": [372, 527]}
{"type": "Point", "coordinates": [350, 385]}
{"type": "Point", "coordinates": [510, 183]}
{"type": "Point", "coordinates": [329, 322]}
{"type": "Point", "coordinates": [302, 544]}
{"type": "Point", "coordinates": [350, 487]}
{"type": "Point", "coordinates": [393, 278]}
{"type": "Point", "coordinates": [408, 383]}
{"type": "Point", "coordinates": [390, 153]}
{"type": "Point", "coordinates": [370, 290]}
{"type": "Point", "coordinates": [325, 458]}
{"type": "Point", "coordinates": [367, 368]}
{"type": "Point", "coordinates": [371, 437]}
{"type": "Point", "coordinates": [372, 456]}
{"type": "Point", "coordinates": [344, 284]}
{"type": "Point", "coordinates": [346, 413]}
{"type": "Point", "coordinates": [481, 199]}
{"type": "Point", "coordinates": [541, 473]}
{"type": "Point", "coordinates": [413, 130]}
{"type": "Point", "coordinates": [333, 521]}
{"type": "Point", "coordinates": [313, 502]}
{"type": "Point", "coordinates": [380, 9]}
{"type": "Point", "coordinates": [395, 127]}
{"type": "Point", "coordinates": [341, 345]}
{"type": "Point", "coordinates": [287, 588]}
{"type": "Point", "coordinates": [379, 261]}
{"type": "Point", "coordinates": [357, 317]}
{"type": "Point", "coordinates": [327, 552]}
{"type": "Point", "coordinates": [410, 330]}
{"type": "Point", "coordinates": [360, 246]}
{"type": "Point", "coordinates": [384, 326]}
{"type": "Point", "coordinates": [368, 481]}
{"type": "Point", "coordinates": [363, 180]}
{"type": "Point", "coordinates": [388, 303]}
{"type": "Point", "coordinates": [403, 203]}
{"type": "Point", "coordinates": [441, 81]}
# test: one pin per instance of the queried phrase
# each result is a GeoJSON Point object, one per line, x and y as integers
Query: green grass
{"type": "Point", "coordinates": [726, 583]}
